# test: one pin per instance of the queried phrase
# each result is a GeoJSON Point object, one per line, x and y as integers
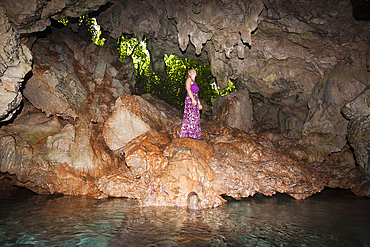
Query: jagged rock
{"type": "Point", "coordinates": [54, 157]}
{"type": "Point", "coordinates": [15, 63]}
{"type": "Point", "coordinates": [49, 158]}
{"type": "Point", "coordinates": [121, 183]}
{"type": "Point", "coordinates": [231, 162]}
{"type": "Point", "coordinates": [245, 164]}
{"type": "Point", "coordinates": [164, 107]}
{"type": "Point", "coordinates": [33, 132]}
{"type": "Point", "coordinates": [264, 113]}
{"type": "Point", "coordinates": [35, 14]}
{"type": "Point", "coordinates": [16, 58]}
{"type": "Point", "coordinates": [295, 47]}
{"type": "Point", "coordinates": [133, 116]}
{"type": "Point", "coordinates": [56, 90]}
{"type": "Point", "coordinates": [358, 112]}
{"type": "Point", "coordinates": [234, 109]}
{"type": "Point", "coordinates": [67, 69]}
{"type": "Point", "coordinates": [188, 171]}
{"type": "Point", "coordinates": [16, 145]}
{"type": "Point", "coordinates": [210, 22]}
{"type": "Point", "coordinates": [139, 155]}
{"type": "Point", "coordinates": [325, 129]}
{"type": "Point", "coordinates": [15, 156]}
{"type": "Point", "coordinates": [291, 122]}
{"type": "Point", "coordinates": [303, 63]}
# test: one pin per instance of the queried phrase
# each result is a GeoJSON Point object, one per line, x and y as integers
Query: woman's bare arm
{"type": "Point", "coordinates": [188, 88]}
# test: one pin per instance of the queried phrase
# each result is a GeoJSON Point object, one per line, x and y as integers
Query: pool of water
{"type": "Point", "coordinates": [331, 218]}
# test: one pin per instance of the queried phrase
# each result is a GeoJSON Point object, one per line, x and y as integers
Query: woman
{"type": "Point", "coordinates": [191, 122]}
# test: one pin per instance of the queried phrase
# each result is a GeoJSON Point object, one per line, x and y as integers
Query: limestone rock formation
{"type": "Point", "coordinates": [15, 63]}
{"type": "Point", "coordinates": [35, 14]}
{"type": "Point", "coordinates": [358, 112]}
{"type": "Point", "coordinates": [49, 88]}
{"type": "Point", "coordinates": [324, 117]}
{"type": "Point", "coordinates": [165, 172]}
{"type": "Point", "coordinates": [295, 63]}
{"type": "Point", "coordinates": [15, 57]}
{"type": "Point", "coordinates": [171, 25]}
{"type": "Point", "coordinates": [235, 110]}
{"type": "Point", "coordinates": [296, 50]}
{"type": "Point", "coordinates": [64, 155]}
{"type": "Point", "coordinates": [133, 116]}
{"type": "Point", "coordinates": [139, 155]}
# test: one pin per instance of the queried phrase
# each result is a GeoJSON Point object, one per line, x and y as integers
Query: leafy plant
{"type": "Point", "coordinates": [64, 22]}
{"type": "Point", "coordinates": [92, 25]}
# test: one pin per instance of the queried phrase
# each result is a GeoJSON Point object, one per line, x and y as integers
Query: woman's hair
{"type": "Point", "coordinates": [191, 71]}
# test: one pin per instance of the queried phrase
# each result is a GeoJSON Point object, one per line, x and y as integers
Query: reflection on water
{"type": "Point", "coordinates": [332, 218]}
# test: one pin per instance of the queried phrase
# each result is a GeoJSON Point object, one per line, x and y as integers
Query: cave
{"type": "Point", "coordinates": [71, 123]}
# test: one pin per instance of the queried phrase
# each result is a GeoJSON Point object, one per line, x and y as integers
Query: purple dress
{"type": "Point", "coordinates": [191, 121]}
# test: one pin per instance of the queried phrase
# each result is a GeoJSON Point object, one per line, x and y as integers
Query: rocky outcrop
{"type": "Point", "coordinates": [16, 58]}
{"type": "Point", "coordinates": [15, 63]}
{"type": "Point", "coordinates": [175, 172]}
{"type": "Point", "coordinates": [133, 116]}
{"type": "Point", "coordinates": [65, 154]}
{"type": "Point", "coordinates": [299, 62]}
{"type": "Point", "coordinates": [234, 109]}
{"type": "Point", "coordinates": [358, 112]}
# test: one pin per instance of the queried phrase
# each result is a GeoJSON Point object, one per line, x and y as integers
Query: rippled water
{"type": "Point", "coordinates": [331, 218]}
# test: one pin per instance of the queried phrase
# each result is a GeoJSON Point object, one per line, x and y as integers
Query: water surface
{"type": "Point", "coordinates": [331, 218]}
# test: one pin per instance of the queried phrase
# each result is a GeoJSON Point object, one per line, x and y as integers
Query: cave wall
{"type": "Point", "coordinates": [306, 59]}
{"type": "Point", "coordinates": [300, 57]}
{"type": "Point", "coordinates": [20, 21]}
{"type": "Point", "coordinates": [299, 61]}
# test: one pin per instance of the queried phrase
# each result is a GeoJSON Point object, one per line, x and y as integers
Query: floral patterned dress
{"type": "Point", "coordinates": [191, 121]}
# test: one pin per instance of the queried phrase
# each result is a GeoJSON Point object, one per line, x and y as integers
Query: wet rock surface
{"type": "Point", "coordinates": [230, 162]}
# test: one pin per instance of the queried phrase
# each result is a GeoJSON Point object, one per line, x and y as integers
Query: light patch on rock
{"type": "Point", "coordinates": [121, 127]}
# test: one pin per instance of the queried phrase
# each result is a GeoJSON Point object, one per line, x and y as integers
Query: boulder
{"type": "Point", "coordinates": [133, 116]}
{"type": "Point", "coordinates": [234, 109]}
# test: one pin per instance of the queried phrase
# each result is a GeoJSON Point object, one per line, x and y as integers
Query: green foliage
{"type": "Point", "coordinates": [229, 89]}
{"type": "Point", "coordinates": [137, 51]}
{"type": "Point", "coordinates": [92, 25]}
{"type": "Point", "coordinates": [64, 22]}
